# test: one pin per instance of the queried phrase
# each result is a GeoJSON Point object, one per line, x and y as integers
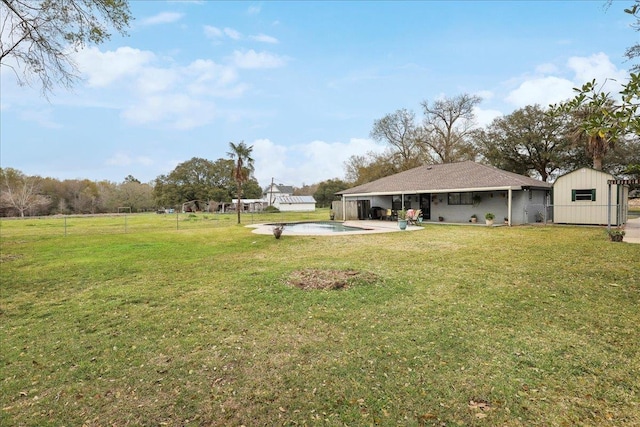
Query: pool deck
{"type": "Point", "coordinates": [369, 227]}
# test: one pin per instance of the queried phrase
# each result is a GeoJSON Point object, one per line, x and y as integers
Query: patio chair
{"type": "Point", "coordinates": [413, 216]}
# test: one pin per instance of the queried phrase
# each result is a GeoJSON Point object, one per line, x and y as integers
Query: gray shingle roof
{"type": "Point", "coordinates": [448, 176]}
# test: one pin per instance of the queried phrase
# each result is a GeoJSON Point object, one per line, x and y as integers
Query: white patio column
{"type": "Point", "coordinates": [509, 206]}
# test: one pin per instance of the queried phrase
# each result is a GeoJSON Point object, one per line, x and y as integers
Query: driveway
{"type": "Point", "coordinates": [632, 231]}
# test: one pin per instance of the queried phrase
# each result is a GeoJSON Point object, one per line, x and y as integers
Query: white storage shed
{"type": "Point", "coordinates": [586, 196]}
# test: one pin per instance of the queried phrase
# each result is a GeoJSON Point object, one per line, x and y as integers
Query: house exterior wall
{"type": "Point", "coordinates": [525, 204]}
{"type": "Point", "coordinates": [531, 206]}
{"type": "Point", "coordinates": [528, 206]}
{"type": "Point", "coordinates": [567, 209]}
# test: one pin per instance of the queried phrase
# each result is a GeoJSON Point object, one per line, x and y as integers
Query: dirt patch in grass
{"type": "Point", "coordinates": [313, 279]}
{"type": "Point", "coordinates": [9, 257]}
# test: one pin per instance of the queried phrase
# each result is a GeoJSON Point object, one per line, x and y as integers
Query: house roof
{"type": "Point", "coordinates": [287, 189]}
{"type": "Point", "coordinates": [586, 169]}
{"type": "Point", "coordinates": [447, 177]}
{"type": "Point", "coordinates": [295, 200]}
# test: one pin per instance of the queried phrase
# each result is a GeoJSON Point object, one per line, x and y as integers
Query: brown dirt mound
{"type": "Point", "coordinates": [309, 279]}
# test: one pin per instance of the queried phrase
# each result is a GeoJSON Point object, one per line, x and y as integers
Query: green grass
{"type": "Point", "coordinates": [197, 326]}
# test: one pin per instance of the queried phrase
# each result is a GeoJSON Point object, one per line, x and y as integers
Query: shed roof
{"type": "Point", "coordinates": [447, 177]}
{"type": "Point", "coordinates": [295, 200]}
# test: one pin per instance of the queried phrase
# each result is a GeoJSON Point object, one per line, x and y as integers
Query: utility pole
{"type": "Point", "coordinates": [271, 193]}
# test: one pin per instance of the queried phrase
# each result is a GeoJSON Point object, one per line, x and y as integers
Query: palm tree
{"type": "Point", "coordinates": [601, 121]}
{"type": "Point", "coordinates": [243, 168]}
{"type": "Point", "coordinates": [595, 132]}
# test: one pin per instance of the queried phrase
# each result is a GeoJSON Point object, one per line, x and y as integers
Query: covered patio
{"type": "Point", "coordinates": [450, 193]}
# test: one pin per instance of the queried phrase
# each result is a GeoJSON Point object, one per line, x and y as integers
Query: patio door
{"type": "Point", "coordinates": [425, 205]}
{"type": "Point", "coordinates": [364, 206]}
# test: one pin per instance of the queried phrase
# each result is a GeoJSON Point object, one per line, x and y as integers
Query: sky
{"type": "Point", "coordinates": [302, 82]}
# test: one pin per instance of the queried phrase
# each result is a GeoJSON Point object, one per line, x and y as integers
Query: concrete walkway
{"type": "Point", "coordinates": [632, 231]}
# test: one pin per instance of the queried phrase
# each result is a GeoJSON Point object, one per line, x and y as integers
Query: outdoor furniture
{"type": "Point", "coordinates": [413, 216]}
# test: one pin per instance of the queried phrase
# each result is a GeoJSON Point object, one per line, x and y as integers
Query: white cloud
{"type": "Point", "coordinates": [599, 67]}
{"type": "Point", "coordinates": [174, 110]}
{"type": "Point", "coordinates": [43, 118]}
{"type": "Point", "coordinates": [162, 18]}
{"type": "Point", "coordinates": [263, 38]}
{"type": "Point", "coordinates": [485, 117]}
{"type": "Point", "coordinates": [123, 159]}
{"type": "Point", "coordinates": [542, 91]}
{"type": "Point", "coordinates": [103, 68]}
{"type": "Point", "coordinates": [253, 10]}
{"type": "Point", "coordinates": [252, 59]}
{"type": "Point", "coordinates": [546, 89]}
{"type": "Point", "coordinates": [232, 34]}
{"type": "Point", "coordinates": [485, 94]}
{"type": "Point", "coordinates": [153, 80]}
{"type": "Point", "coordinates": [213, 32]}
{"type": "Point", "coordinates": [306, 163]}
{"type": "Point", "coordinates": [169, 95]}
{"type": "Point", "coordinates": [546, 69]}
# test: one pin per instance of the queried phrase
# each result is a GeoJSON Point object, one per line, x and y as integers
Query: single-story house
{"type": "Point", "coordinates": [589, 196]}
{"type": "Point", "coordinates": [295, 203]}
{"type": "Point", "coordinates": [450, 192]}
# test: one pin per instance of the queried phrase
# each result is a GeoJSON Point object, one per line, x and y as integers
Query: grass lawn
{"type": "Point", "coordinates": [201, 326]}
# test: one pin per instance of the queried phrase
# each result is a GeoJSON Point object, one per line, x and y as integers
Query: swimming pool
{"type": "Point", "coordinates": [330, 228]}
{"type": "Point", "coordinates": [319, 227]}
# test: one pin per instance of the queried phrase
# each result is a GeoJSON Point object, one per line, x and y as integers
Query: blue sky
{"type": "Point", "coordinates": [302, 82]}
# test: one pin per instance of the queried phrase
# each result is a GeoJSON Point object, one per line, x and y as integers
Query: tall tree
{"type": "Point", "coordinates": [243, 168]}
{"type": "Point", "coordinates": [403, 136]}
{"type": "Point", "coordinates": [327, 190]}
{"type": "Point", "coordinates": [195, 179]}
{"type": "Point", "coordinates": [20, 192]}
{"type": "Point", "coordinates": [527, 140]}
{"type": "Point", "coordinates": [602, 120]}
{"type": "Point", "coordinates": [38, 37]}
{"type": "Point", "coordinates": [361, 169]}
{"type": "Point", "coordinates": [449, 125]}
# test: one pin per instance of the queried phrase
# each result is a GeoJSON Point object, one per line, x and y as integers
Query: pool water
{"type": "Point", "coordinates": [320, 227]}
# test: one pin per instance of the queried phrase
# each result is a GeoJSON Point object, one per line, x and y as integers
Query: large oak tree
{"type": "Point", "coordinates": [525, 141]}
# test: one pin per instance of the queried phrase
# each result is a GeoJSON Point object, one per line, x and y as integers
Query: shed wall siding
{"type": "Point", "coordinates": [583, 211]}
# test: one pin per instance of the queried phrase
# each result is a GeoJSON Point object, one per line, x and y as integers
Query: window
{"type": "Point", "coordinates": [460, 198]}
{"type": "Point", "coordinates": [583, 195]}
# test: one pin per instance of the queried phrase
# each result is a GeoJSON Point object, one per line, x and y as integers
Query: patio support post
{"type": "Point", "coordinates": [344, 208]}
{"type": "Point", "coordinates": [609, 208]}
{"type": "Point", "coordinates": [509, 207]}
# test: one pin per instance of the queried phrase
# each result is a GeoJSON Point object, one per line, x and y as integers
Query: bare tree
{"type": "Point", "coordinates": [38, 37]}
{"type": "Point", "coordinates": [21, 192]}
{"type": "Point", "coordinates": [400, 131]}
{"type": "Point", "coordinates": [449, 124]}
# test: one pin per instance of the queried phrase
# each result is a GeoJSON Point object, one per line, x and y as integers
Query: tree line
{"type": "Point", "coordinates": [195, 179]}
{"type": "Point", "coordinates": [595, 129]}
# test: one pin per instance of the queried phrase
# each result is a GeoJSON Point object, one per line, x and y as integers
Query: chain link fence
{"type": "Point", "coordinates": [74, 225]}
